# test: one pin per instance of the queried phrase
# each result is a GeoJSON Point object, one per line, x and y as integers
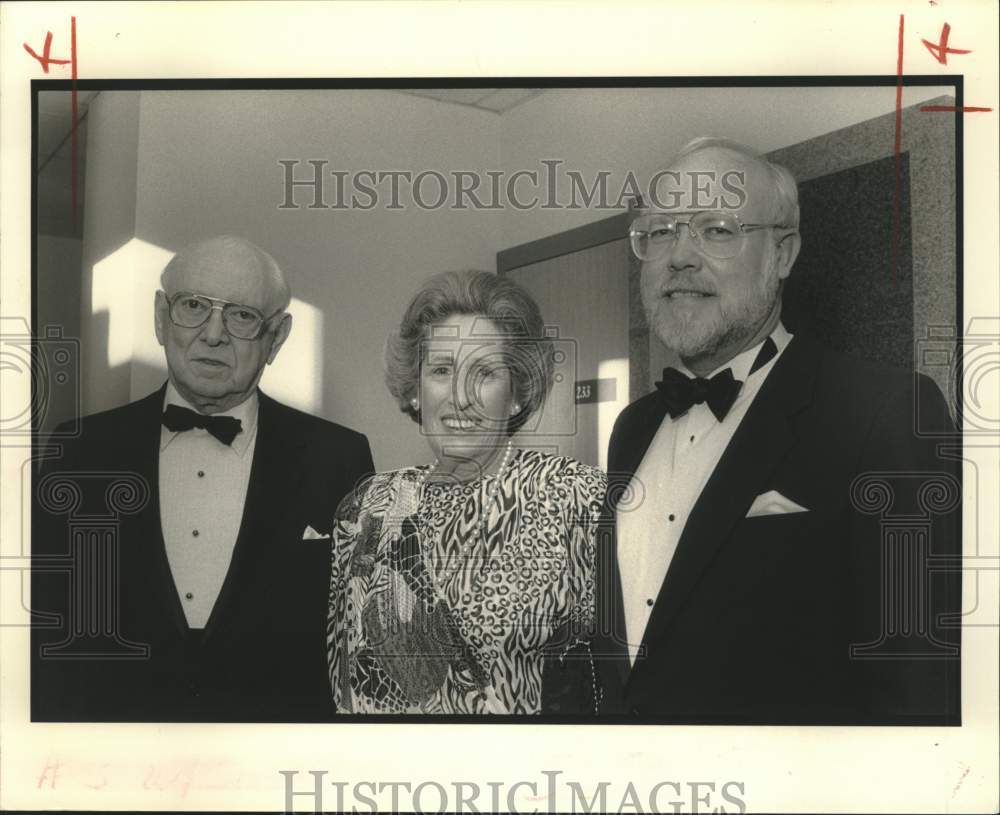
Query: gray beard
{"type": "Point", "coordinates": [690, 339]}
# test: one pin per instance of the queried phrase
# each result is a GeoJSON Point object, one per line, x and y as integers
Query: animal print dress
{"type": "Point", "coordinates": [415, 627]}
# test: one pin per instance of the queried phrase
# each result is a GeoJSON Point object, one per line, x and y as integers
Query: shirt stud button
{"type": "Point", "coordinates": [692, 438]}
{"type": "Point", "coordinates": [189, 596]}
{"type": "Point", "coordinates": [670, 517]}
{"type": "Point", "coordinates": [201, 473]}
{"type": "Point", "coordinates": [649, 601]}
{"type": "Point", "coordinates": [195, 533]}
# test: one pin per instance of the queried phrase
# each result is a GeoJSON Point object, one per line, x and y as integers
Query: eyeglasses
{"type": "Point", "coordinates": [719, 234]}
{"type": "Point", "coordinates": [193, 310]}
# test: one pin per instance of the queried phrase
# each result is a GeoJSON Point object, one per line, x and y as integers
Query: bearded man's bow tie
{"type": "Point", "coordinates": [681, 392]}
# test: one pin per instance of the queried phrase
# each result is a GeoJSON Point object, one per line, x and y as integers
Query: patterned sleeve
{"type": "Point", "coordinates": [568, 679]}
{"type": "Point", "coordinates": [591, 484]}
{"type": "Point", "coordinates": [347, 527]}
{"type": "Point", "coordinates": [579, 490]}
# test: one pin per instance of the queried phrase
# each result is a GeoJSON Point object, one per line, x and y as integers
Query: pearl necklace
{"type": "Point", "coordinates": [477, 532]}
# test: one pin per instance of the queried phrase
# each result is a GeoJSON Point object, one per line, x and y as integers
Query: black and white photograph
{"type": "Point", "coordinates": [563, 418]}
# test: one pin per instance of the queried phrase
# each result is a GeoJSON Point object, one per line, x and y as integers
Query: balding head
{"type": "Point", "coordinates": [228, 264]}
{"type": "Point", "coordinates": [766, 178]}
{"type": "Point", "coordinates": [211, 368]}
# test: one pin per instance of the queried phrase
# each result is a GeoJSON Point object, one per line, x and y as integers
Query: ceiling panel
{"type": "Point", "coordinates": [495, 100]}
{"type": "Point", "coordinates": [506, 98]}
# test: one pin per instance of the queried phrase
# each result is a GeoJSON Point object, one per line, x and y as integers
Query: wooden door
{"type": "Point", "coordinates": [584, 298]}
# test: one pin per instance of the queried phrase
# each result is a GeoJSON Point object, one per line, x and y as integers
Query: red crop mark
{"type": "Point", "coordinates": [897, 192]}
{"type": "Point", "coordinates": [45, 60]}
{"type": "Point", "coordinates": [940, 49]}
{"type": "Point", "coordinates": [952, 109]}
{"type": "Point", "coordinates": [73, 103]}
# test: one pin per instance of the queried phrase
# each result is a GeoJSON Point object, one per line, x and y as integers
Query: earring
{"type": "Point", "coordinates": [415, 403]}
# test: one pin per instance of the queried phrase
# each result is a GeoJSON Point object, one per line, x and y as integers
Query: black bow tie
{"type": "Point", "coordinates": [681, 392]}
{"type": "Point", "coordinates": [178, 419]}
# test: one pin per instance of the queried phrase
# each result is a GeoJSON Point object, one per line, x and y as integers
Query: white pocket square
{"type": "Point", "coordinates": [310, 534]}
{"type": "Point", "coordinates": [773, 502]}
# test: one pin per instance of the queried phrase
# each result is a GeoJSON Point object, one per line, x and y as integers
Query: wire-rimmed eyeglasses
{"type": "Point", "coordinates": [718, 234]}
{"type": "Point", "coordinates": [189, 310]}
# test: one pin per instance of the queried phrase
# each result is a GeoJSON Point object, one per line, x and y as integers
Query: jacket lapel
{"type": "Point", "coordinates": [631, 447]}
{"type": "Point", "coordinates": [145, 460]}
{"type": "Point", "coordinates": [274, 481]}
{"type": "Point", "coordinates": [759, 444]}
{"type": "Point", "coordinates": [625, 455]}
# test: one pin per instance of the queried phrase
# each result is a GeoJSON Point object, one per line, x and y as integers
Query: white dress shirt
{"type": "Point", "coordinates": [203, 487]}
{"type": "Point", "coordinates": [675, 469]}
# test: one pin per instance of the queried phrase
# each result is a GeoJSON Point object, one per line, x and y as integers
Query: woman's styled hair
{"type": "Point", "coordinates": [526, 349]}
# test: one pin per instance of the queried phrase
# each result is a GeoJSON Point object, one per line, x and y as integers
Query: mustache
{"type": "Point", "coordinates": [674, 287]}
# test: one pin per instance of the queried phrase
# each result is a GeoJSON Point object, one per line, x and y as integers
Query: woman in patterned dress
{"type": "Point", "coordinates": [462, 586]}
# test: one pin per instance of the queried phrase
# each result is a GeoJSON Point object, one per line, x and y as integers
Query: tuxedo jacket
{"type": "Point", "coordinates": [110, 641]}
{"type": "Point", "coordinates": [756, 617]}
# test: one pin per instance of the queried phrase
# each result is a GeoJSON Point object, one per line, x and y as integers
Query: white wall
{"type": "Point", "coordinates": [108, 224]}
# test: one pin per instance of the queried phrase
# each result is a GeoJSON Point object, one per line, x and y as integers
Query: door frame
{"type": "Point", "coordinates": [588, 236]}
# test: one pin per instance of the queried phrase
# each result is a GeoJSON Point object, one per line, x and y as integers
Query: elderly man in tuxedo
{"type": "Point", "coordinates": [745, 580]}
{"type": "Point", "coordinates": [214, 603]}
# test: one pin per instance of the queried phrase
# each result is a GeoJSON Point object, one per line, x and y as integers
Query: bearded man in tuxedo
{"type": "Point", "coordinates": [747, 576]}
{"type": "Point", "coordinates": [209, 601]}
